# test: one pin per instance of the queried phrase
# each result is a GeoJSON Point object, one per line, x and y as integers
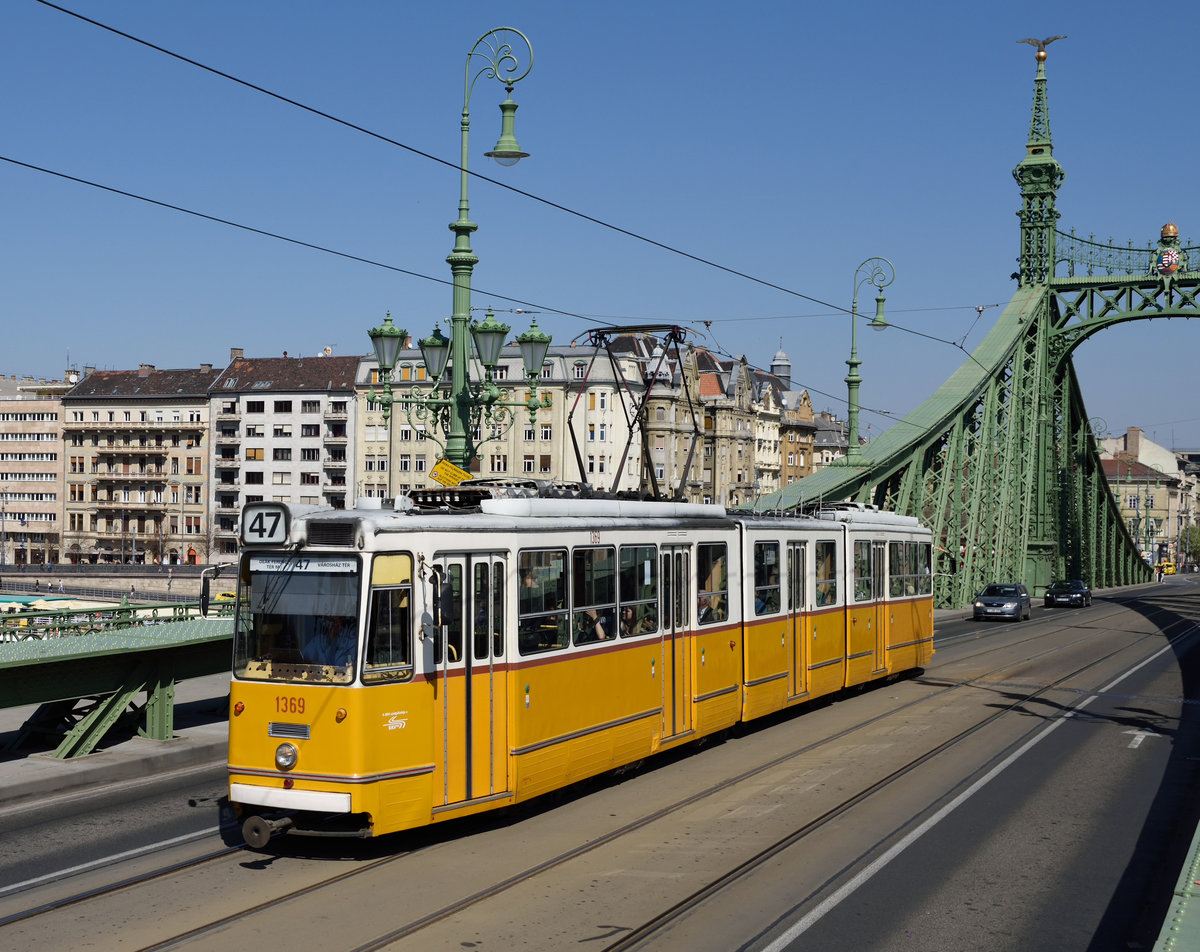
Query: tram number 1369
{"type": "Point", "coordinates": [289, 705]}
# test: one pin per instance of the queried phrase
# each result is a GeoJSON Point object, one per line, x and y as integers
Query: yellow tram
{"type": "Point", "coordinates": [475, 647]}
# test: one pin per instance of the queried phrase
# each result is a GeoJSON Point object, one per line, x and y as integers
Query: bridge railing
{"type": "Point", "coordinates": [39, 624]}
{"type": "Point", "coordinates": [1088, 257]}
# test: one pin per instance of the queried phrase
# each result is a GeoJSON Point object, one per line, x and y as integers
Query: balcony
{"type": "Point", "coordinates": [334, 463]}
{"type": "Point", "coordinates": [336, 439]}
{"type": "Point", "coordinates": [130, 449]}
{"type": "Point", "coordinates": [125, 426]}
{"type": "Point", "coordinates": [127, 475]}
{"type": "Point", "coordinates": [225, 438]}
{"type": "Point", "coordinates": [227, 462]}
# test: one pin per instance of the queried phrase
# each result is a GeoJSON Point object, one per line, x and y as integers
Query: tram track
{"type": "Point", "coordinates": [645, 935]}
{"type": "Point", "coordinates": [641, 935]}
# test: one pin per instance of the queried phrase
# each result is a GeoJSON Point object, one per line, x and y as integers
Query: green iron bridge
{"type": "Point", "coordinates": [1000, 462]}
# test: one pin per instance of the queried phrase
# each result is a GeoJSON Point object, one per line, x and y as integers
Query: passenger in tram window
{"type": "Point", "coordinates": [628, 622]}
{"type": "Point", "coordinates": [589, 626]}
{"type": "Point", "coordinates": [705, 612]}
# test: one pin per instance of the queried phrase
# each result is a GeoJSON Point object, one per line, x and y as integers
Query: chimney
{"type": "Point", "coordinates": [1133, 442]}
{"type": "Point", "coordinates": [236, 353]}
{"type": "Point", "coordinates": [206, 368]}
{"type": "Point", "coordinates": [145, 370]}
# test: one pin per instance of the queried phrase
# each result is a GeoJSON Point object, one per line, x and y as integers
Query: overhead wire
{"type": "Point", "coordinates": [959, 345]}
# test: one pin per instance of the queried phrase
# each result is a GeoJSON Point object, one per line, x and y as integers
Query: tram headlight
{"type": "Point", "coordinates": [286, 756]}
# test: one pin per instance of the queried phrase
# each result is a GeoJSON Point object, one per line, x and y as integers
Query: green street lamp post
{"type": "Point", "coordinates": [468, 404]}
{"type": "Point", "coordinates": [879, 273]}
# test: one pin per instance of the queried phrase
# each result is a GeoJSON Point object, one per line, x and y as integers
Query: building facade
{"type": "Point", "coordinates": [31, 470]}
{"type": "Point", "coordinates": [136, 474]}
{"type": "Point", "coordinates": [284, 430]}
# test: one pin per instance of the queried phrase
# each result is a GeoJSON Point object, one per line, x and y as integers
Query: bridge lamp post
{"type": "Point", "coordinates": [468, 404]}
{"type": "Point", "coordinates": [879, 273]}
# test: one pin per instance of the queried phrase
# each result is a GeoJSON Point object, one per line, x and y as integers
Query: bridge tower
{"type": "Point", "coordinates": [1000, 462]}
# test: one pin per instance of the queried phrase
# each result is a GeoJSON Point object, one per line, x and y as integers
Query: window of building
{"type": "Point", "coordinates": [281, 453]}
{"type": "Point", "coordinates": [256, 406]}
{"type": "Point", "coordinates": [283, 406]}
{"type": "Point", "coordinates": [254, 453]}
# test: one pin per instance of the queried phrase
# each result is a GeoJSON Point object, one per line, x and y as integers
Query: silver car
{"type": "Point", "coordinates": [1003, 600]}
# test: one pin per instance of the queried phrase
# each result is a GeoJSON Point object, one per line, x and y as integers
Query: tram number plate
{"type": "Point", "coordinates": [264, 524]}
{"type": "Point", "coordinates": [595, 536]}
{"type": "Point", "coordinates": [289, 705]}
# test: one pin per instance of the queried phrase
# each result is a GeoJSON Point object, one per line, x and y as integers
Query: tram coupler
{"type": "Point", "coordinates": [258, 830]}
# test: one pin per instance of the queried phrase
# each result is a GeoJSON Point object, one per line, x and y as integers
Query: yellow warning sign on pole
{"type": "Point", "coordinates": [447, 473]}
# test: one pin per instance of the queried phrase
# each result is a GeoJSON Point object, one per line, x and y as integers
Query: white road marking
{"type": "Point", "coordinates": [863, 877]}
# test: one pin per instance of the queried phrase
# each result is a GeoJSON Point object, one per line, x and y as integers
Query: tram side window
{"type": "Point", "coordinates": [498, 610]}
{"type": "Point", "coordinates": [712, 583]}
{"type": "Point", "coordinates": [639, 590]}
{"type": "Point", "coordinates": [766, 578]}
{"type": "Point", "coordinates": [862, 572]}
{"type": "Point", "coordinates": [924, 560]}
{"type": "Point", "coordinates": [487, 599]}
{"type": "Point", "coordinates": [542, 600]}
{"type": "Point", "coordinates": [389, 624]}
{"type": "Point", "coordinates": [906, 574]}
{"type": "Point", "coordinates": [594, 580]}
{"type": "Point", "coordinates": [453, 623]}
{"type": "Point", "coordinates": [826, 567]}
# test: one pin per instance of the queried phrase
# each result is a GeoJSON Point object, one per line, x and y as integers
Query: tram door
{"type": "Point", "coordinates": [472, 702]}
{"type": "Point", "coordinates": [877, 591]}
{"type": "Point", "coordinates": [675, 588]}
{"type": "Point", "coordinates": [798, 653]}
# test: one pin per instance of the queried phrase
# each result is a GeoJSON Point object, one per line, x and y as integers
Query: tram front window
{"type": "Point", "coordinates": [299, 619]}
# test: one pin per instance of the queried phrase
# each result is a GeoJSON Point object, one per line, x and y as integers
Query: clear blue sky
{"type": "Point", "coordinates": [784, 140]}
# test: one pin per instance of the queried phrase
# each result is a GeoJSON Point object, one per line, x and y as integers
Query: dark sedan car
{"type": "Point", "coordinates": [1072, 592]}
{"type": "Point", "coordinates": [1003, 600]}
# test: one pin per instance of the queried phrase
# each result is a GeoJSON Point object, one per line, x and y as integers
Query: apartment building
{"type": "Point", "coordinates": [797, 429]}
{"type": "Point", "coordinates": [283, 430]}
{"type": "Point", "coordinates": [31, 469]}
{"type": "Point", "coordinates": [136, 444]}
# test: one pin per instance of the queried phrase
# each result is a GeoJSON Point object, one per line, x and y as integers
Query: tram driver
{"type": "Point", "coordinates": [332, 642]}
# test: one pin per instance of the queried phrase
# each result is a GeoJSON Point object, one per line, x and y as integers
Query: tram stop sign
{"type": "Point", "coordinates": [447, 473]}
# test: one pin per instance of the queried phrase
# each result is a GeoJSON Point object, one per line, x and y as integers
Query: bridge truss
{"type": "Point", "coordinates": [1000, 461]}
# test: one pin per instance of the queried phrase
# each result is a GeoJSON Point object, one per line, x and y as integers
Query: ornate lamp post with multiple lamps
{"type": "Point", "coordinates": [467, 405]}
{"type": "Point", "coordinates": [879, 273]}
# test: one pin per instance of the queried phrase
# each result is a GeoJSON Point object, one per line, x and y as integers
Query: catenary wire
{"type": "Point", "coordinates": [504, 185]}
